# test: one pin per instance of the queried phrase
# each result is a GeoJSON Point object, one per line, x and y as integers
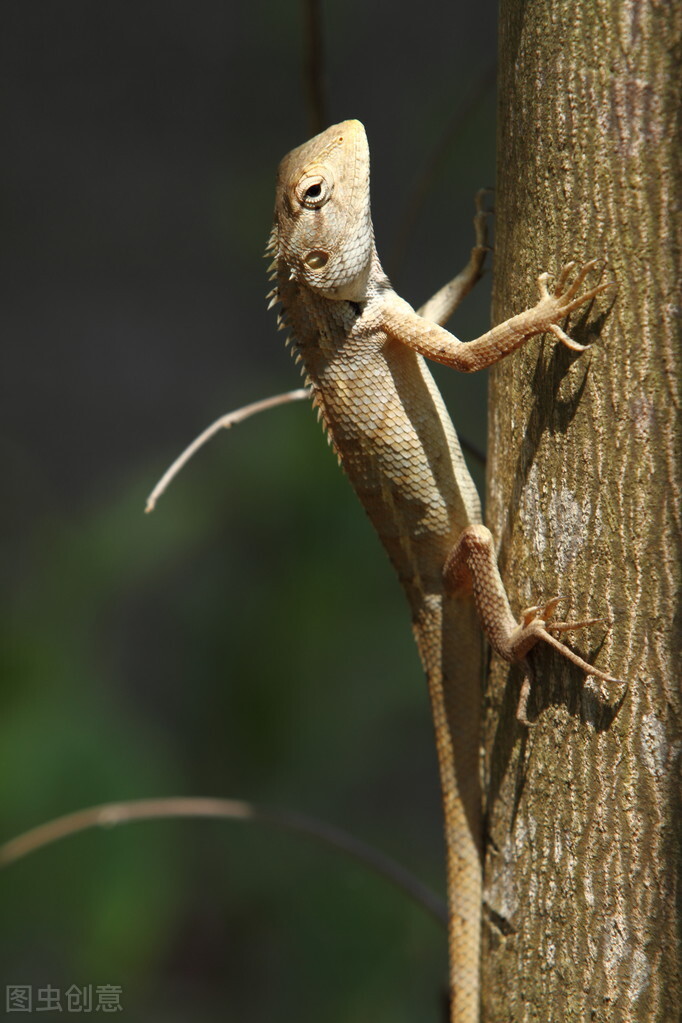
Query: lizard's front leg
{"type": "Point", "coordinates": [401, 323]}
{"type": "Point", "coordinates": [472, 567]}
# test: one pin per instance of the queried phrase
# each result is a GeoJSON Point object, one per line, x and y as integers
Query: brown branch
{"type": "Point", "coordinates": [313, 66]}
{"type": "Point", "coordinates": [224, 423]}
{"type": "Point", "coordinates": [109, 814]}
{"type": "Point", "coordinates": [425, 181]}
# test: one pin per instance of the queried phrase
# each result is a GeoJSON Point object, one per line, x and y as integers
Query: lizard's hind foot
{"type": "Point", "coordinates": [537, 626]}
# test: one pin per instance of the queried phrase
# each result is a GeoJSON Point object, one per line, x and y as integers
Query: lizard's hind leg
{"type": "Point", "coordinates": [472, 567]}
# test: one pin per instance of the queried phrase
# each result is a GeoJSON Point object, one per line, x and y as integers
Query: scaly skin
{"type": "Point", "coordinates": [361, 347]}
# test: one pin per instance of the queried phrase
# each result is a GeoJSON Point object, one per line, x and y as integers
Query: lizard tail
{"type": "Point", "coordinates": [451, 655]}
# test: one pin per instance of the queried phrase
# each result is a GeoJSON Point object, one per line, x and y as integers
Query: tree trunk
{"type": "Point", "coordinates": [583, 815]}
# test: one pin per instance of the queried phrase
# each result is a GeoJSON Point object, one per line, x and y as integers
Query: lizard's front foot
{"type": "Point", "coordinates": [537, 625]}
{"type": "Point", "coordinates": [557, 304]}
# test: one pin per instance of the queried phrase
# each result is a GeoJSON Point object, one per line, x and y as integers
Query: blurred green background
{"type": "Point", "coordinates": [248, 639]}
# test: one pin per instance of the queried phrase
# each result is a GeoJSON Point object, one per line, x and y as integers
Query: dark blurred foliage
{"type": "Point", "coordinates": [247, 639]}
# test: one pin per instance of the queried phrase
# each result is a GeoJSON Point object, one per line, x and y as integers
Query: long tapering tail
{"type": "Point", "coordinates": [447, 635]}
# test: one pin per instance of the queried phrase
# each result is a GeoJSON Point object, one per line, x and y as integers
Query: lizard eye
{"type": "Point", "coordinates": [313, 191]}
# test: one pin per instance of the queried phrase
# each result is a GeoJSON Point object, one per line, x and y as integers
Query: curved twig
{"type": "Point", "coordinates": [425, 181]}
{"type": "Point", "coordinates": [109, 814]}
{"type": "Point", "coordinates": [224, 423]}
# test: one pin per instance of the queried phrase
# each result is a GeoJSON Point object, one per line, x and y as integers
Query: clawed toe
{"type": "Point", "coordinates": [567, 297]}
{"type": "Point", "coordinates": [536, 626]}
{"type": "Point", "coordinates": [563, 276]}
{"type": "Point", "coordinates": [589, 669]}
{"type": "Point", "coordinates": [562, 336]}
{"type": "Point", "coordinates": [542, 280]}
{"type": "Point", "coordinates": [543, 612]}
{"type": "Point", "coordinates": [572, 626]}
{"type": "Point", "coordinates": [479, 200]}
{"type": "Point", "coordinates": [587, 296]}
{"type": "Point", "coordinates": [522, 706]}
{"type": "Point", "coordinates": [585, 269]}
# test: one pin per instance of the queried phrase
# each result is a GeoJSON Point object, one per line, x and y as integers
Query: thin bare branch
{"type": "Point", "coordinates": [109, 814]}
{"type": "Point", "coordinates": [224, 423]}
{"type": "Point", "coordinates": [425, 181]}
{"type": "Point", "coordinates": [313, 66]}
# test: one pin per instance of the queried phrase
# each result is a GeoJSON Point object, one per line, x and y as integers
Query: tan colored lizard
{"type": "Point", "coordinates": [362, 346]}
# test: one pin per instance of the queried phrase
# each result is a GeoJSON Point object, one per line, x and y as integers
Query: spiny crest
{"type": "Point", "coordinates": [272, 244]}
{"type": "Point", "coordinates": [290, 341]}
{"type": "Point", "coordinates": [283, 324]}
{"type": "Point", "coordinates": [272, 249]}
{"type": "Point", "coordinates": [318, 405]}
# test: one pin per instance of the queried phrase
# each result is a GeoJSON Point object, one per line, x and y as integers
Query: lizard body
{"type": "Point", "coordinates": [363, 349]}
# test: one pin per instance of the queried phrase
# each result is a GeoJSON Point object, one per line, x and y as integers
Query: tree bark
{"type": "Point", "coordinates": [583, 815]}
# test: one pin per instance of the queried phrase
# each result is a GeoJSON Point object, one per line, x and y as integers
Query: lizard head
{"type": "Point", "coordinates": [323, 226]}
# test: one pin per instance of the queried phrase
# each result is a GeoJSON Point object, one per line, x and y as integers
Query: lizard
{"type": "Point", "coordinates": [363, 350]}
